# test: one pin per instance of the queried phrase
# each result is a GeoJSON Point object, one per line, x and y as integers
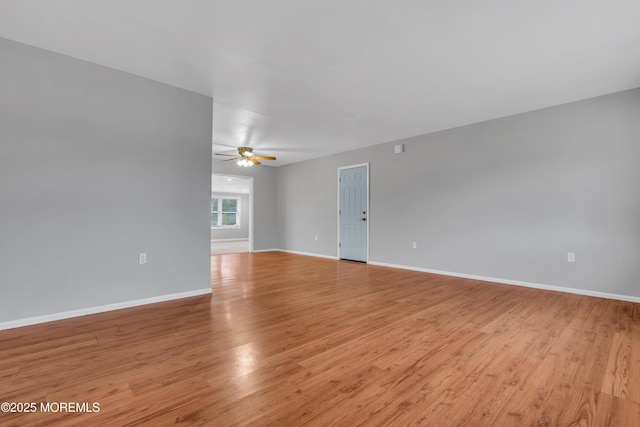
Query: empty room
{"type": "Point", "coordinates": [323, 213]}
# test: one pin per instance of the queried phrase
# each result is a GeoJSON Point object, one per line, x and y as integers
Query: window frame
{"type": "Point", "coordinates": [221, 212]}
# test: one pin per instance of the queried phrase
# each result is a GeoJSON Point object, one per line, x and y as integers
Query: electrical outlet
{"type": "Point", "coordinates": [415, 245]}
{"type": "Point", "coordinates": [571, 257]}
{"type": "Point", "coordinates": [142, 258]}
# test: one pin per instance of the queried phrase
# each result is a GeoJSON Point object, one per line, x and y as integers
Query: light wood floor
{"type": "Point", "coordinates": [289, 340]}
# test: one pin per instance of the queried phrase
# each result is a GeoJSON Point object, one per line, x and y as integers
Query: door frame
{"type": "Point", "coordinates": [338, 209]}
{"type": "Point", "coordinates": [251, 210]}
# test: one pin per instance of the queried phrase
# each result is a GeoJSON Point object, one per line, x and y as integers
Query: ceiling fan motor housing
{"type": "Point", "coordinates": [245, 151]}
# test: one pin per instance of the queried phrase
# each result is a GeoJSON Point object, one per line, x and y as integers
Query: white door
{"type": "Point", "coordinates": [353, 214]}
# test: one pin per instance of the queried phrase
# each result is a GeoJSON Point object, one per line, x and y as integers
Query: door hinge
{"type": "Point", "coordinates": [339, 244]}
{"type": "Point", "coordinates": [340, 179]}
{"type": "Point", "coordinates": [339, 211]}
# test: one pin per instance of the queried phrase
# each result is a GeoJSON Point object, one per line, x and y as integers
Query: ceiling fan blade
{"type": "Point", "coordinates": [217, 144]}
{"type": "Point", "coordinates": [235, 158]}
{"type": "Point", "coordinates": [264, 157]}
{"type": "Point", "coordinates": [255, 162]}
{"type": "Point", "coordinates": [229, 155]}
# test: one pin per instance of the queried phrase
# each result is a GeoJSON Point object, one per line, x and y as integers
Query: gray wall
{"type": "Point", "coordinates": [241, 232]}
{"type": "Point", "coordinates": [505, 199]}
{"type": "Point", "coordinates": [93, 162]}
{"type": "Point", "coordinates": [264, 200]}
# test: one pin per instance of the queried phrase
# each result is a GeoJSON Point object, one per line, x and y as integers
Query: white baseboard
{"type": "Point", "coordinates": [100, 309]}
{"type": "Point", "coordinates": [241, 239]}
{"type": "Point", "coordinates": [265, 250]}
{"type": "Point", "coordinates": [307, 254]}
{"type": "Point", "coordinates": [482, 278]}
{"type": "Point", "coordinates": [514, 282]}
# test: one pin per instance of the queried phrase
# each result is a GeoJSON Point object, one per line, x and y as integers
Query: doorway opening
{"type": "Point", "coordinates": [231, 214]}
{"type": "Point", "coordinates": [353, 212]}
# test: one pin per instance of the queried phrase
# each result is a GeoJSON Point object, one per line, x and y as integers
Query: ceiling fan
{"type": "Point", "coordinates": [246, 157]}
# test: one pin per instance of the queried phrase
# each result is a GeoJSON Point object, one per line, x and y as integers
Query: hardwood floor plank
{"type": "Point", "coordinates": [616, 379]}
{"type": "Point", "coordinates": [288, 340]}
{"type": "Point", "coordinates": [613, 411]}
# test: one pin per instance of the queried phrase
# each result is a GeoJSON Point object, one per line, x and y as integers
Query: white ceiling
{"type": "Point", "coordinates": [302, 79]}
{"type": "Point", "coordinates": [230, 184]}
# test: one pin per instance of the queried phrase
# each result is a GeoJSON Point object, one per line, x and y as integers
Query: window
{"type": "Point", "coordinates": [225, 211]}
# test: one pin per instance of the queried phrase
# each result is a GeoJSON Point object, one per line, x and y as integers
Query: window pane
{"type": "Point", "coordinates": [229, 205]}
{"type": "Point", "coordinates": [214, 219]}
{"type": "Point", "coordinates": [228, 219]}
{"type": "Point", "coordinates": [214, 204]}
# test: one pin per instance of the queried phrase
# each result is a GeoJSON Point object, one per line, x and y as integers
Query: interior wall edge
{"type": "Point", "coordinates": [541, 286]}
{"type": "Point", "coordinates": [100, 309]}
{"type": "Point", "coordinates": [307, 254]}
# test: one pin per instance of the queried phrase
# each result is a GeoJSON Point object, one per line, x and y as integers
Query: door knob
{"type": "Point", "coordinates": [364, 219]}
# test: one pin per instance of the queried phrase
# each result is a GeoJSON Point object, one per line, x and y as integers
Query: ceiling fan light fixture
{"type": "Point", "coordinates": [245, 157]}
{"type": "Point", "coordinates": [245, 152]}
{"type": "Point", "coordinates": [245, 163]}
